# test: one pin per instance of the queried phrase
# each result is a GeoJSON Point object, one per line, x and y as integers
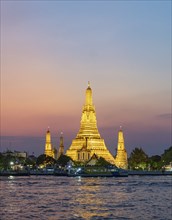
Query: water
{"type": "Point", "coordinates": [53, 198]}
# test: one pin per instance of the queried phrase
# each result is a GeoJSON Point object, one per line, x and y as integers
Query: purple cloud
{"type": "Point", "coordinates": [164, 116]}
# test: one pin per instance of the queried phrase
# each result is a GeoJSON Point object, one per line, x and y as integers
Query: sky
{"type": "Point", "coordinates": [51, 49]}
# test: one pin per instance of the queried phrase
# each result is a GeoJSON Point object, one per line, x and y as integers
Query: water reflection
{"type": "Point", "coordinates": [89, 199]}
{"type": "Point", "coordinates": [93, 200]}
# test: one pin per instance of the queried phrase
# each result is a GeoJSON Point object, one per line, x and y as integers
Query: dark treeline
{"type": "Point", "coordinates": [139, 160]}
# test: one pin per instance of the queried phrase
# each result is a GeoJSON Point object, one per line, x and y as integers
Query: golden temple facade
{"type": "Point", "coordinates": [121, 156]}
{"type": "Point", "coordinates": [88, 140]}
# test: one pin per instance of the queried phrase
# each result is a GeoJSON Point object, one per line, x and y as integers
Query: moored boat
{"type": "Point", "coordinates": [120, 173]}
{"type": "Point", "coordinates": [14, 173]}
{"type": "Point", "coordinates": [60, 172]}
{"type": "Point", "coordinates": [96, 171]}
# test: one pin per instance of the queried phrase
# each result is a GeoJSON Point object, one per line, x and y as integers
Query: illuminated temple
{"type": "Point", "coordinates": [61, 147]}
{"type": "Point", "coordinates": [121, 156]}
{"type": "Point", "coordinates": [49, 151]}
{"type": "Point", "coordinates": [88, 140]}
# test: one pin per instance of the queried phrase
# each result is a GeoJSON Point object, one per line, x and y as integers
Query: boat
{"type": "Point", "coordinates": [120, 173]}
{"type": "Point", "coordinates": [60, 172]}
{"type": "Point", "coordinates": [14, 173]}
{"type": "Point", "coordinates": [97, 171]}
{"type": "Point", "coordinates": [39, 172]}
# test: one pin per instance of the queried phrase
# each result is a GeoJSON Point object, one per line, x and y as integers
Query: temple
{"type": "Point", "coordinates": [121, 156]}
{"type": "Point", "coordinates": [61, 147]}
{"type": "Point", "coordinates": [49, 151]}
{"type": "Point", "coordinates": [88, 140]}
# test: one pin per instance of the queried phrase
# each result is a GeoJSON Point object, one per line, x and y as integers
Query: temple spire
{"type": "Point", "coordinates": [121, 156]}
{"type": "Point", "coordinates": [61, 139]}
{"type": "Point", "coordinates": [48, 137]}
{"type": "Point", "coordinates": [88, 140]}
{"type": "Point", "coordinates": [48, 145]}
{"type": "Point", "coordinates": [61, 147]}
{"type": "Point", "coordinates": [89, 99]}
{"type": "Point", "coordinates": [120, 139]}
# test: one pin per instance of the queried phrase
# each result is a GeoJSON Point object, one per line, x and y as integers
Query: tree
{"type": "Point", "coordinates": [63, 160]}
{"type": "Point", "coordinates": [31, 162]}
{"type": "Point", "coordinates": [44, 160]}
{"type": "Point", "coordinates": [166, 157]}
{"type": "Point", "coordinates": [138, 159]}
{"type": "Point", "coordinates": [102, 162]}
{"type": "Point", "coordinates": [155, 162]}
{"type": "Point", "coordinates": [6, 160]}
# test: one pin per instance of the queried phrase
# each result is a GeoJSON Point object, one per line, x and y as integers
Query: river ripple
{"type": "Point", "coordinates": [53, 198]}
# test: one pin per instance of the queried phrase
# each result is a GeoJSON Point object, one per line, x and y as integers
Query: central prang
{"type": "Point", "coordinates": [88, 140]}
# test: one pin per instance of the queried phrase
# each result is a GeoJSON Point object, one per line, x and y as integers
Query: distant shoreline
{"type": "Point", "coordinates": [130, 173]}
{"type": "Point", "coordinates": [147, 173]}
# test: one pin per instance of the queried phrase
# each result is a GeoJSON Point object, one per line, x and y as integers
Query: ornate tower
{"type": "Point", "coordinates": [88, 140]}
{"type": "Point", "coordinates": [48, 146]}
{"type": "Point", "coordinates": [61, 147]}
{"type": "Point", "coordinates": [121, 156]}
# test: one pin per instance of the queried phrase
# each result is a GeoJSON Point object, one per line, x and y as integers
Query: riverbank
{"type": "Point", "coordinates": [151, 173]}
{"type": "Point", "coordinates": [47, 172]}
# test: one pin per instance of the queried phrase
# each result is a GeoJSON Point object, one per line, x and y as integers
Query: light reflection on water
{"type": "Point", "coordinates": [52, 197]}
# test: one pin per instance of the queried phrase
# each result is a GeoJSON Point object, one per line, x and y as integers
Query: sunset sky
{"type": "Point", "coordinates": [51, 49]}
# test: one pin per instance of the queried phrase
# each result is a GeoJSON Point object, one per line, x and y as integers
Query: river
{"type": "Point", "coordinates": [53, 198]}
